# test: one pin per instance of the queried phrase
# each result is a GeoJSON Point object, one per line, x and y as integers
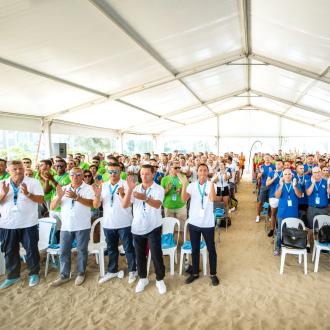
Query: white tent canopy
{"type": "Point", "coordinates": [217, 68]}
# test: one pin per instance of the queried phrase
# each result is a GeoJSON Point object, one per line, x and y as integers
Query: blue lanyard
{"type": "Point", "coordinates": [317, 187]}
{"type": "Point", "coordinates": [279, 174]}
{"type": "Point", "coordinates": [147, 194]}
{"type": "Point", "coordinates": [112, 192]}
{"type": "Point", "coordinates": [72, 201]}
{"type": "Point", "coordinates": [303, 179]}
{"type": "Point", "coordinates": [202, 194]}
{"type": "Point", "coordinates": [15, 190]}
{"type": "Point", "coordinates": [288, 190]}
{"type": "Point", "coordinates": [174, 183]}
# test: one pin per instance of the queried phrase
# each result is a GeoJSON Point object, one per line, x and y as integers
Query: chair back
{"type": "Point", "coordinates": [46, 227]}
{"type": "Point", "coordinates": [319, 221]}
{"type": "Point", "coordinates": [218, 205]}
{"type": "Point", "coordinates": [292, 223]}
{"type": "Point", "coordinates": [102, 236]}
{"type": "Point", "coordinates": [168, 226]}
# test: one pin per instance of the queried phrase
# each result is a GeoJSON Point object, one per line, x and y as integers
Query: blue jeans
{"type": "Point", "coordinates": [112, 237]}
{"type": "Point", "coordinates": [66, 239]}
{"type": "Point", "coordinates": [278, 233]}
{"type": "Point", "coordinates": [10, 239]}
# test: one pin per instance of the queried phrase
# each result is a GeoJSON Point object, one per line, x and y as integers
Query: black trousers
{"type": "Point", "coordinates": [195, 238]}
{"type": "Point", "coordinates": [140, 244]}
{"type": "Point", "coordinates": [10, 239]}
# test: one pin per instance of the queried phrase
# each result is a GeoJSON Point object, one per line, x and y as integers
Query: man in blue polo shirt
{"type": "Point", "coordinates": [272, 182]}
{"type": "Point", "coordinates": [309, 164]}
{"type": "Point", "coordinates": [302, 179]}
{"type": "Point", "coordinates": [317, 192]}
{"type": "Point", "coordinates": [287, 191]}
{"type": "Point", "coordinates": [263, 174]}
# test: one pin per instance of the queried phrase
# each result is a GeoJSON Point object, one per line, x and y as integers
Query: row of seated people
{"type": "Point", "coordinates": [298, 187]}
{"type": "Point", "coordinates": [131, 211]}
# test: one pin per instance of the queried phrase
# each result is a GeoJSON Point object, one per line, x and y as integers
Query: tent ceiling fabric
{"type": "Point", "coordinates": [166, 66]}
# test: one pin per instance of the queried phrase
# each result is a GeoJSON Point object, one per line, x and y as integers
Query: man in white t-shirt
{"type": "Point", "coordinates": [116, 223]}
{"type": "Point", "coordinates": [19, 199]}
{"type": "Point", "coordinates": [76, 200]}
{"type": "Point", "coordinates": [147, 199]}
{"type": "Point", "coordinates": [201, 220]}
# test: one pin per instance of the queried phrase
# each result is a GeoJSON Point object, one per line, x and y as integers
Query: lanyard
{"type": "Point", "coordinates": [112, 192]}
{"type": "Point", "coordinates": [279, 174]}
{"type": "Point", "coordinates": [147, 194]}
{"type": "Point", "coordinates": [175, 182]}
{"type": "Point", "coordinates": [303, 179]}
{"type": "Point", "coordinates": [202, 194]}
{"type": "Point", "coordinates": [317, 187]}
{"type": "Point", "coordinates": [72, 201]}
{"type": "Point", "coordinates": [288, 190]}
{"type": "Point", "coordinates": [15, 190]}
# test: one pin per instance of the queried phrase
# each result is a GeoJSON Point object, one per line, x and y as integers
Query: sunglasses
{"type": "Point", "coordinates": [109, 164]}
{"type": "Point", "coordinates": [26, 162]}
{"type": "Point", "coordinates": [60, 165]}
{"type": "Point", "coordinates": [87, 176]}
{"type": "Point", "coordinates": [76, 174]}
{"type": "Point", "coordinates": [113, 171]}
{"type": "Point", "coordinates": [177, 167]}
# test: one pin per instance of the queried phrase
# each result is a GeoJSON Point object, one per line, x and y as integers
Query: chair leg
{"type": "Point", "coordinates": [282, 262]}
{"type": "Point", "coordinates": [172, 256]}
{"type": "Point", "coordinates": [305, 262]}
{"type": "Point", "coordinates": [148, 264]}
{"type": "Point", "coordinates": [314, 250]}
{"type": "Point", "coordinates": [176, 257]}
{"type": "Point", "coordinates": [101, 262]}
{"type": "Point", "coordinates": [97, 258]}
{"type": "Point", "coordinates": [299, 258]}
{"type": "Point", "coordinates": [46, 266]}
{"type": "Point", "coordinates": [317, 259]}
{"type": "Point", "coordinates": [181, 261]}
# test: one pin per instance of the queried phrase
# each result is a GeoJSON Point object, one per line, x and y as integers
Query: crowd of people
{"type": "Point", "coordinates": [130, 194]}
{"type": "Point", "coordinates": [293, 185]}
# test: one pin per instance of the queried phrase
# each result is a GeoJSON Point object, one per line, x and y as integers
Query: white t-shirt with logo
{"type": "Point", "coordinates": [115, 216]}
{"type": "Point", "coordinates": [233, 167]}
{"type": "Point", "coordinates": [200, 216]}
{"type": "Point", "coordinates": [145, 217]}
{"type": "Point", "coordinates": [74, 215]}
{"type": "Point", "coordinates": [25, 213]}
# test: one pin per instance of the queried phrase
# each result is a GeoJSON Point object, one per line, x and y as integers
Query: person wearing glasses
{"type": "Point", "coordinates": [19, 199]}
{"type": "Point", "coordinates": [27, 164]}
{"type": "Point", "coordinates": [158, 176]}
{"type": "Point", "coordinates": [201, 219]}
{"type": "Point", "coordinates": [116, 222]}
{"type": "Point", "coordinates": [317, 191]}
{"type": "Point", "coordinates": [76, 201]}
{"type": "Point", "coordinates": [147, 199]}
{"type": "Point", "coordinates": [174, 206]}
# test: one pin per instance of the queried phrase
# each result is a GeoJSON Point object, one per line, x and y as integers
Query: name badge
{"type": "Point", "coordinates": [15, 208]}
{"type": "Point", "coordinates": [201, 213]}
{"type": "Point", "coordinates": [174, 197]}
{"type": "Point", "coordinates": [302, 195]}
{"type": "Point", "coordinates": [289, 202]}
{"type": "Point", "coordinates": [317, 200]}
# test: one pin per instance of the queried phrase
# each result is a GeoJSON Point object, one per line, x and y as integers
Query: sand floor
{"type": "Point", "coordinates": [252, 293]}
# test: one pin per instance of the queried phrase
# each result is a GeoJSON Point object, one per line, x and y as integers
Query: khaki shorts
{"type": "Point", "coordinates": [180, 214]}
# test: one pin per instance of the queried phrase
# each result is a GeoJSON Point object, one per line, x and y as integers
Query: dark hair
{"type": "Point", "coordinates": [152, 169]}
{"type": "Point", "coordinates": [96, 158]}
{"type": "Point", "coordinates": [122, 166]}
{"type": "Point", "coordinates": [93, 166]}
{"type": "Point", "coordinates": [3, 160]}
{"type": "Point", "coordinates": [299, 163]}
{"type": "Point", "coordinates": [25, 158]}
{"type": "Point", "coordinates": [88, 171]}
{"type": "Point", "coordinates": [116, 164]}
{"type": "Point", "coordinates": [110, 157]}
{"type": "Point", "coordinates": [47, 162]}
{"type": "Point", "coordinates": [202, 164]}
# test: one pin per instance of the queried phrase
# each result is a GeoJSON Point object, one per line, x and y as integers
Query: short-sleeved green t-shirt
{"type": "Point", "coordinates": [84, 166]}
{"type": "Point", "coordinates": [172, 199]}
{"type": "Point", "coordinates": [62, 180]}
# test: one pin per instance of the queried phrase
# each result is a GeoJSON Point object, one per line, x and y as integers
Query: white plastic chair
{"type": "Point", "coordinates": [98, 248]}
{"type": "Point", "coordinates": [293, 223]}
{"type": "Point", "coordinates": [168, 227]}
{"type": "Point", "coordinates": [318, 247]}
{"type": "Point", "coordinates": [203, 251]}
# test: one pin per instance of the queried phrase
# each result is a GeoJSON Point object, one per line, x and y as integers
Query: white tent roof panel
{"type": "Point", "coordinates": [278, 82]}
{"type": "Point", "coordinates": [109, 114]}
{"type": "Point", "coordinates": [155, 127]}
{"type": "Point", "coordinates": [218, 81]}
{"type": "Point", "coordinates": [163, 99]}
{"type": "Point", "coordinates": [318, 97]}
{"type": "Point", "coordinates": [185, 32]}
{"type": "Point", "coordinates": [309, 117]}
{"type": "Point", "coordinates": [25, 93]}
{"type": "Point", "coordinates": [231, 103]}
{"type": "Point", "coordinates": [292, 32]}
{"type": "Point", "coordinates": [191, 115]}
{"type": "Point", "coordinates": [74, 41]}
{"type": "Point", "coordinates": [268, 104]}
{"type": "Point", "coordinates": [292, 128]}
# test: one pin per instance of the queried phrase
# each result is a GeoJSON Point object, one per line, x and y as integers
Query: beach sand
{"type": "Point", "coordinates": [252, 294]}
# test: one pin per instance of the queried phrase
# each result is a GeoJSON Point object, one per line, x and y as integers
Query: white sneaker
{"type": "Point", "coordinates": [121, 274]}
{"type": "Point", "coordinates": [161, 286]}
{"type": "Point", "coordinates": [143, 282]}
{"type": "Point", "coordinates": [132, 277]}
{"type": "Point", "coordinates": [107, 277]}
{"type": "Point", "coordinates": [257, 218]}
